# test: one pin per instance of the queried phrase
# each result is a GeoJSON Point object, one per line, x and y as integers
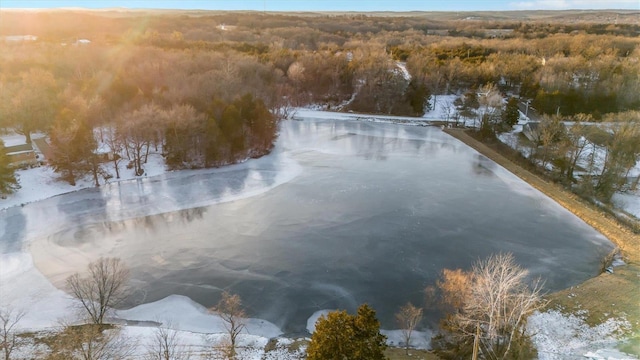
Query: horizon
{"type": "Point", "coordinates": [325, 6]}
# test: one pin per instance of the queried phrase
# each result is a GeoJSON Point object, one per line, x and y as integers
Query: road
{"type": "Point", "coordinates": [531, 112]}
{"type": "Point", "coordinates": [44, 148]}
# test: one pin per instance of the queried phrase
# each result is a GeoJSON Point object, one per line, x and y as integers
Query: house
{"type": "Point", "coordinates": [532, 131]}
{"type": "Point", "coordinates": [21, 155]}
{"type": "Point", "coordinates": [20, 38]}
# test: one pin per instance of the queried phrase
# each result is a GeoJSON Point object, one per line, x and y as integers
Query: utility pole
{"type": "Point", "coordinates": [476, 343]}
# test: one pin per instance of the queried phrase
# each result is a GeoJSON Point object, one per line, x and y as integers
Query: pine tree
{"type": "Point", "coordinates": [341, 336]}
{"type": "Point", "coordinates": [511, 114]}
{"type": "Point", "coordinates": [8, 181]}
{"type": "Point", "coordinates": [74, 147]}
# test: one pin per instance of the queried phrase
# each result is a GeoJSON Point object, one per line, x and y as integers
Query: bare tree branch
{"type": "Point", "coordinates": [408, 318]}
{"type": "Point", "coordinates": [102, 288]}
{"type": "Point", "coordinates": [230, 310]}
{"type": "Point", "coordinates": [9, 340]}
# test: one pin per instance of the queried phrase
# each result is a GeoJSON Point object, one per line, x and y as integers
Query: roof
{"type": "Point", "coordinates": [18, 148]}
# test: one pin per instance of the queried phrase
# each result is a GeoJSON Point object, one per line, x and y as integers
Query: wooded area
{"type": "Point", "coordinates": [207, 88]}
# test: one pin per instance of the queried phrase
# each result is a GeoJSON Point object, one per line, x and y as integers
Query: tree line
{"type": "Point", "coordinates": [207, 89]}
{"type": "Point", "coordinates": [593, 160]}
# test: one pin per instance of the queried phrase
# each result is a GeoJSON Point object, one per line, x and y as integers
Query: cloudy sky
{"type": "Point", "coordinates": [328, 5]}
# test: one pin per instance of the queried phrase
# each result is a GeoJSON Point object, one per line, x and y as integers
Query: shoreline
{"type": "Point", "coordinates": [601, 298]}
{"type": "Point", "coordinates": [599, 282]}
{"type": "Point", "coordinates": [627, 241]}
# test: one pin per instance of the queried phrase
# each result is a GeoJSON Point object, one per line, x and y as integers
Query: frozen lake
{"type": "Point", "coordinates": [341, 213]}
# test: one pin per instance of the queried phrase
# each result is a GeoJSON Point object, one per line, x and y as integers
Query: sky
{"type": "Point", "coordinates": [332, 5]}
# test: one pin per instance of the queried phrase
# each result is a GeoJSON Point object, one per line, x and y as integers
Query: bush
{"type": "Point", "coordinates": [342, 336]}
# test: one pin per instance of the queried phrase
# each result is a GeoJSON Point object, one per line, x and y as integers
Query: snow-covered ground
{"type": "Point", "coordinates": [558, 336]}
{"type": "Point", "coordinates": [628, 201]}
{"type": "Point", "coordinates": [403, 68]}
{"type": "Point", "coordinates": [442, 109]}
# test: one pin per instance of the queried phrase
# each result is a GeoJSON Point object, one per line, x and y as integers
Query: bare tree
{"type": "Point", "coordinates": [576, 145]}
{"type": "Point", "coordinates": [9, 339]}
{"type": "Point", "coordinates": [166, 345]}
{"type": "Point", "coordinates": [552, 135]}
{"type": "Point", "coordinates": [138, 129]}
{"type": "Point", "coordinates": [230, 309]}
{"type": "Point", "coordinates": [497, 305]}
{"type": "Point", "coordinates": [116, 145]}
{"type": "Point", "coordinates": [448, 110]}
{"type": "Point", "coordinates": [408, 318]}
{"type": "Point", "coordinates": [103, 287]}
{"type": "Point", "coordinates": [91, 342]}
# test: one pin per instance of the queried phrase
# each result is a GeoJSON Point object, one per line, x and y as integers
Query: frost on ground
{"type": "Point", "coordinates": [559, 336]}
{"type": "Point", "coordinates": [282, 351]}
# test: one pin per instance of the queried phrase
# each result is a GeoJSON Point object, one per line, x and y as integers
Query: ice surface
{"type": "Point", "coordinates": [360, 197]}
{"type": "Point", "coordinates": [185, 314]}
{"type": "Point", "coordinates": [24, 288]}
{"type": "Point", "coordinates": [313, 319]}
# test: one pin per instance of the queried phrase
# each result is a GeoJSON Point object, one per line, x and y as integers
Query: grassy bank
{"type": "Point", "coordinates": [606, 295]}
{"type": "Point", "coordinates": [618, 233]}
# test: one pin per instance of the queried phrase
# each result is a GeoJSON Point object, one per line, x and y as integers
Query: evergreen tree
{"type": "Point", "coordinates": [74, 148]}
{"type": "Point", "coordinates": [511, 114]}
{"type": "Point", "coordinates": [8, 182]}
{"type": "Point", "coordinates": [341, 336]}
{"type": "Point", "coordinates": [418, 97]}
{"type": "Point", "coordinates": [231, 126]}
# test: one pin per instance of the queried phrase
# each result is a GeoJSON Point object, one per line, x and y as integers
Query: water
{"type": "Point", "coordinates": [340, 214]}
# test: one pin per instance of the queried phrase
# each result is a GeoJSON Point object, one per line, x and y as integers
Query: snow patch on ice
{"type": "Point", "coordinates": [187, 315]}
{"type": "Point", "coordinates": [23, 288]}
{"type": "Point", "coordinates": [311, 322]}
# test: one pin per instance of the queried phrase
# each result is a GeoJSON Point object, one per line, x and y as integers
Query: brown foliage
{"type": "Point", "coordinates": [408, 319]}
{"type": "Point", "coordinates": [230, 309]}
{"type": "Point", "coordinates": [455, 287]}
{"type": "Point", "coordinates": [496, 300]}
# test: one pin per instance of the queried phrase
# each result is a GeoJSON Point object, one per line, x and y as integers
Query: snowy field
{"type": "Point", "coordinates": [557, 336]}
